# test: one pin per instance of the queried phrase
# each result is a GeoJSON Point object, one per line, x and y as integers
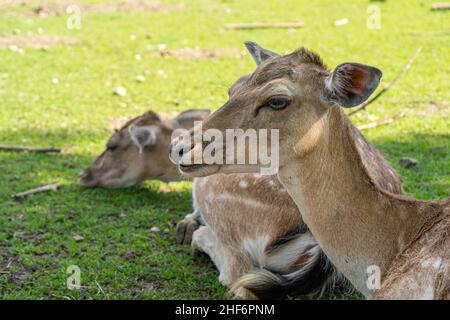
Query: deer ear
{"type": "Point", "coordinates": [143, 136]}
{"type": "Point", "coordinates": [187, 118]}
{"type": "Point", "coordinates": [258, 53]}
{"type": "Point", "coordinates": [351, 84]}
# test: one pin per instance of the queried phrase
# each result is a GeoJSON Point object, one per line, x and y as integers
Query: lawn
{"type": "Point", "coordinates": [61, 95]}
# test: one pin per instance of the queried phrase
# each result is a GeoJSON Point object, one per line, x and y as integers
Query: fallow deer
{"type": "Point", "coordinates": [236, 212]}
{"type": "Point", "coordinates": [138, 152]}
{"type": "Point", "coordinates": [335, 182]}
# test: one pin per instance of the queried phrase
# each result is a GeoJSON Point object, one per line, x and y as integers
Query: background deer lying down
{"type": "Point", "coordinates": [325, 165]}
{"type": "Point", "coordinates": [238, 235]}
{"type": "Point", "coordinates": [254, 232]}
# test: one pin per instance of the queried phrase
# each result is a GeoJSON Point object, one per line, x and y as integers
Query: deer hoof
{"type": "Point", "coordinates": [185, 230]}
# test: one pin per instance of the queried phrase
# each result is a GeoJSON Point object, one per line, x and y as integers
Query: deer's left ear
{"type": "Point", "coordinates": [351, 84]}
{"type": "Point", "coordinates": [143, 136]}
{"type": "Point", "coordinates": [258, 53]}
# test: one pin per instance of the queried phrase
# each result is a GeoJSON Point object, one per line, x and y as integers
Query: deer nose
{"type": "Point", "coordinates": [178, 150]}
{"type": "Point", "coordinates": [85, 177]}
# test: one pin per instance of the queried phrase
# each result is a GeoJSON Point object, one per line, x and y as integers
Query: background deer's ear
{"type": "Point", "coordinates": [187, 118]}
{"type": "Point", "coordinates": [351, 84]}
{"type": "Point", "coordinates": [258, 53]}
{"type": "Point", "coordinates": [143, 136]}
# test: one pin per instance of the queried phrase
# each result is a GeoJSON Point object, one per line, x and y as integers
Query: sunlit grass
{"type": "Point", "coordinates": [118, 253]}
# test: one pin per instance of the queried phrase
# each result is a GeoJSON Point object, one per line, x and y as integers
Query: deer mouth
{"type": "Point", "coordinates": [198, 170]}
{"type": "Point", "coordinates": [191, 167]}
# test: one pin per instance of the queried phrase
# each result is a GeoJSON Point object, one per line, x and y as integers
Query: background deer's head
{"type": "Point", "coordinates": [138, 152]}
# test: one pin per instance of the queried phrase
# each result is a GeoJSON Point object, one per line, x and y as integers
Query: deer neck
{"type": "Point", "coordinates": [356, 223]}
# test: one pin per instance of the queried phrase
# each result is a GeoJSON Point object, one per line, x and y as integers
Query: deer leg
{"type": "Point", "coordinates": [187, 226]}
{"type": "Point", "coordinates": [204, 240]}
{"type": "Point", "coordinates": [232, 265]}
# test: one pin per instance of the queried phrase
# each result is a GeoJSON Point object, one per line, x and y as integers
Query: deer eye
{"type": "Point", "coordinates": [111, 145]}
{"type": "Point", "coordinates": [278, 103]}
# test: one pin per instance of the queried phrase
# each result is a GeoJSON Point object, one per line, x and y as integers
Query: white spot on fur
{"type": "Point", "coordinates": [235, 198]}
{"type": "Point", "coordinates": [243, 184]}
{"type": "Point", "coordinates": [437, 263]}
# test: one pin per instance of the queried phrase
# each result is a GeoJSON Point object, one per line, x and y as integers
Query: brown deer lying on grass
{"type": "Point", "coordinates": [238, 244]}
{"type": "Point", "coordinates": [332, 173]}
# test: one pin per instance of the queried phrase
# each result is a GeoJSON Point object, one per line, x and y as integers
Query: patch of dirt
{"type": "Point", "coordinates": [203, 54]}
{"type": "Point", "coordinates": [34, 42]}
{"type": "Point", "coordinates": [15, 270]}
{"type": "Point", "coordinates": [130, 255]}
{"type": "Point", "coordinates": [58, 8]}
{"type": "Point", "coordinates": [9, 3]}
{"type": "Point", "coordinates": [33, 237]}
{"type": "Point", "coordinates": [152, 285]}
{"type": "Point", "coordinates": [433, 107]}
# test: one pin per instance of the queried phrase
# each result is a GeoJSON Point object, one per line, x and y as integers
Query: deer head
{"type": "Point", "coordinates": [138, 152]}
{"type": "Point", "coordinates": [293, 93]}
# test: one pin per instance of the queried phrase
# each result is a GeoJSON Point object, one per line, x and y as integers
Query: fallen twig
{"type": "Point", "coordinates": [383, 122]}
{"type": "Point", "coordinates": [25, 194]}
{"type": "Point", "coordinates": [101, 289]}
{"type": "Point", "coordinates": [440, 6]}
{"type": "Point", "coordinates": [391, 84]}
{"type": "Point", "coordinates": [247, 26]}
{"type": "Point", "coordinates": [29, 149]}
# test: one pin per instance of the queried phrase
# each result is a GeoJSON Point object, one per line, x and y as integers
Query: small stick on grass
{"type": "Point", "coordinates": [29, 149]}
{"type": "Point", "coordinates": [101, 289]}
{"type": "Point", "coordinates": [382, 122]}
{"type": "Point", "coordinates": [249, 26]}
{"type": "Point", "coordinates": [391, 84]}
{"type": "Point", "coordinates": [23, 195]}
{"type": "Point", "coordinates": [440, 6]}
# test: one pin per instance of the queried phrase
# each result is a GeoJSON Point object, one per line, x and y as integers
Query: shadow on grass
{"type": "Point", "coordinates": [430, 179]}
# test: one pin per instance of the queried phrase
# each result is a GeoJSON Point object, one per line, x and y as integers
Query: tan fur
{"type": "Point", "coordinates": [323, 165]}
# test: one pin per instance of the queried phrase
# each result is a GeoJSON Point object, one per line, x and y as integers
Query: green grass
{"type": "Point", "coordinates": [118, 257]}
